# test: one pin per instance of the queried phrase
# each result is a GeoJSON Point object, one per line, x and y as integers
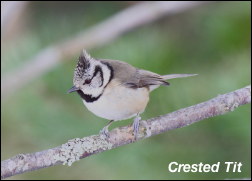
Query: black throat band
{"type": "Point", "coordinates": [87, 97]}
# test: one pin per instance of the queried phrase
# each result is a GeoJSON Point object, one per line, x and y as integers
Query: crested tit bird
{"type": "Point", "coordinates": [115, 90]}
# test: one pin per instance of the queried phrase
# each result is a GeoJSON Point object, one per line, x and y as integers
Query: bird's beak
{"type": "Point", "coordinates": [73, 89]}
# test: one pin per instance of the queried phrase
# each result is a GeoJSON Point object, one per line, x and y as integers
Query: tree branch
{"type": "Point", "coordinates": [97, 35]}
{"type": "Point", "coordinates": [78, 148]}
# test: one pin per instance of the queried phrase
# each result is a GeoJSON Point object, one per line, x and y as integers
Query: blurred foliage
{"type": "Point", "coordinates": [212, 40]}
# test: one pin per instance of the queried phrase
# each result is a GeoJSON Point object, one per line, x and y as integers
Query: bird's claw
{"type": "Point", "coordinates": [136, 126]}
{"type": "Point", "coordinates": [104, 132]}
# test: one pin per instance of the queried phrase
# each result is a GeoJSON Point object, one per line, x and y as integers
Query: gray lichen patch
{"type": "Point", "coordinates": [147, 129]}
{"type": "Point", "coordinates": [21, 156]}
{"type": "Point", "coordinates": [230, 104]}
{"type": "Point", "coordinates": [234, 106]}
{"type": "Point", "coordinates": [75, 148]}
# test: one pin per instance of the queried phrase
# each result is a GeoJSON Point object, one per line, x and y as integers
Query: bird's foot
{"type": "Point", "coordinates": [104, 131]}
{"type": "Point", "coordinates": [136, 125]}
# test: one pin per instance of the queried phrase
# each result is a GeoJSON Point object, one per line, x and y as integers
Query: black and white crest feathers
{"type": "Point", "coordinates": [83, 64]}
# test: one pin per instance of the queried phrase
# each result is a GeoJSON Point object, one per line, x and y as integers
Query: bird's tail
{"type": "Point", "coordinates": [173, 76]}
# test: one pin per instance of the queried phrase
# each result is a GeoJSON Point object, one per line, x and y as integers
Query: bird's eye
{"type": "Point", "coordinates": [87, 81]}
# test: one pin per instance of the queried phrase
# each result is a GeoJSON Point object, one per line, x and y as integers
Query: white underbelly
{"type": "Point", "coordinates": [119, 103]}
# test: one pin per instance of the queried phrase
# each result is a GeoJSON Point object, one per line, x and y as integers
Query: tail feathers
{"type": "Point", "coordinates": [167, 77]}
{"type": "Point", "coordinates": [173, 76]}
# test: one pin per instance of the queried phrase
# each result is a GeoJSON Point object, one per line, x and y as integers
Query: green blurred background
{"type": "Point", "coordinates": [212, 40]}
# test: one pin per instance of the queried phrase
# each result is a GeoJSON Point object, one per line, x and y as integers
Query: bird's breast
{"type": "Point", "coordinates": [118, 102]}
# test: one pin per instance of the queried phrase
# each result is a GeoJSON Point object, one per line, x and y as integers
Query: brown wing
{"type": "Point", "coordinates": [132, 77]}
{"type": "Point", "coordinates": [144, 78]}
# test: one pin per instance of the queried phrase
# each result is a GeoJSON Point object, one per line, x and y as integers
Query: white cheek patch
{"type": "Point", "coordinates": [93, 91]}
{"type": "Point", "coordinates": [96, 81]}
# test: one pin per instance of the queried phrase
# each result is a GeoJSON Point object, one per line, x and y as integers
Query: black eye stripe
{"type": "Point", "coordinates": [98, 69]}
{"type": "Point", "coordinates": [111, 71]}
